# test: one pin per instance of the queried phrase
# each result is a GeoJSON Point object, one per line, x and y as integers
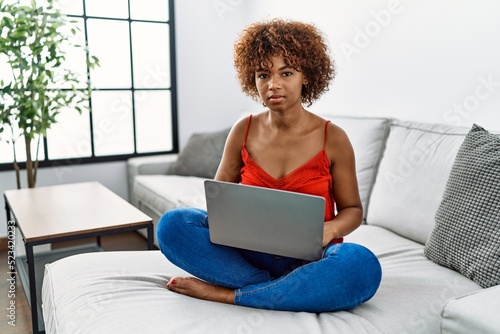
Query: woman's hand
{"type": "Point", "coordinates": [329, 232]}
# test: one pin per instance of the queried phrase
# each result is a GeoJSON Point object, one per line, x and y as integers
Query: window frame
{"type": "Point", "coordinates": [46, 162]}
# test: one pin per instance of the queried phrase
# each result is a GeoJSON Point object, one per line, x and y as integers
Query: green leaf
{"type": "Point", "coordinates": [31, 39]}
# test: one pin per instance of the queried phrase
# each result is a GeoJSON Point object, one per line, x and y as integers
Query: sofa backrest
{"type": "Point", "coordinates": [412, 176]}
{"type": "Point", "coordinates": [402, 169]}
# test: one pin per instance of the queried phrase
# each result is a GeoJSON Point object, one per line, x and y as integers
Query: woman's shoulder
{"type": "Point", "coordinates": [337, 140]}
{"type": "Point", "coordinates": [243, 124]}
{"type": "Point", "coordinates": [334, 131]}
{"type": "Point", "coordinates": [239, 130]}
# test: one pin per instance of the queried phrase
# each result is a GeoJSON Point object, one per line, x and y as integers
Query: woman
{"type": "Point", "coordinates": [285, 65]}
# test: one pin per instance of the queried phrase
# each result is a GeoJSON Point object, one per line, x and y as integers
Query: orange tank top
{"type": "Point", "coordinates": [312, 178]}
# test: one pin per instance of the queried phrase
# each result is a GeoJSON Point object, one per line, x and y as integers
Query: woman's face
{"type": "Point", "coordinates": [280, 85]}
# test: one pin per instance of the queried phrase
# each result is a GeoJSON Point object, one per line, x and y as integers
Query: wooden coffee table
{"type": "Point", "coordinates": [52, 214]}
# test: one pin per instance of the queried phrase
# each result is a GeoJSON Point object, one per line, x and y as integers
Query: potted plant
{"type": "Point", "coordinates": [32, 37]}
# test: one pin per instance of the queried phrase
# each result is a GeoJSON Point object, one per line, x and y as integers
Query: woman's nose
{"type": "Point", "coordinates": [274, 82]}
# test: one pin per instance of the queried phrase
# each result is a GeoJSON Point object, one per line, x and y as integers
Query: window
{"type": "Point", "coordinates": [133, 100]}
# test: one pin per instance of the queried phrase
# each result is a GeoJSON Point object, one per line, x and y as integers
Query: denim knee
{"type": "Point", "coordinates": [361, 267]}
{"type": "Point", "coordinates": [370, 271]}
{"type": "Point", "coordinates": [174, 221]}
{"type": "Point", "coordinates": [163, 227]}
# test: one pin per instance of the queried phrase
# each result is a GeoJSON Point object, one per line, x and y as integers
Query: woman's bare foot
{"type": "Point", "coordinates": [196, 288]}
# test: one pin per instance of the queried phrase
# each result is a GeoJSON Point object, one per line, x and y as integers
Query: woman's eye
{"type": "Point", "coordinates": [287, 74]}
{"type": "Point", "coordinates": [262, 76]}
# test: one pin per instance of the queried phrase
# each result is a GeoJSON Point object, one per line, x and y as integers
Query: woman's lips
{"type": "Point", "coordinates": [275, 98]}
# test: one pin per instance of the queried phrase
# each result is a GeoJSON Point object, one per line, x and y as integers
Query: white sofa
{"type": "Point", "coordinates": [403, 171]}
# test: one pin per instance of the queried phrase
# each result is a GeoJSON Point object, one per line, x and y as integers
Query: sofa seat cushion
{"type": "Point", "coordinates": [414, 289]}
{"type": "Point", "coordinates": [161, 193]}
{"type": "Point", "coordinates": [468, 314]}
{"type": "Point", "coordinates": [412, 176]}
{"type": "Point", "coordinates": [125, 292]}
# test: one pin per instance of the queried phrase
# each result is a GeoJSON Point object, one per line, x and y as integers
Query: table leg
{"type": "Point", "coordinates": [32, 284]}
{"type": "Point", "coordinates": [7, 209]}
{"type": "Point", "coordinates": [150, 237]}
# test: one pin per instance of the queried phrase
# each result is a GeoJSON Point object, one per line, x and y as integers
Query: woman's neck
{"type": "Point", "coordinates": [287, 119]}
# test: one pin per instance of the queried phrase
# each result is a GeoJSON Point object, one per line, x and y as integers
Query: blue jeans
{"type": "Point", "coordinates": [346, 276]}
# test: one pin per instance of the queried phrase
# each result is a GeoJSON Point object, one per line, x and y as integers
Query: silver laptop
{"type": "Point", "coordinates": [265, 220]}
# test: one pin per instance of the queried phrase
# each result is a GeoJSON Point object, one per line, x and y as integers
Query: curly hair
{"type": "Point", "coordinates": [302, 47]}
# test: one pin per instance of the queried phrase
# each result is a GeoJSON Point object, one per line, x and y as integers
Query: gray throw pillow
{"type": "Point", "coordinates": [202, 155]}
{"type": "Point", "coordinates": [466, 236]}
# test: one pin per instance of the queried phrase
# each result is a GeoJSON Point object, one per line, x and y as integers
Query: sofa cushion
{"type": "Point", "coordinates": [165, 192]}
{"type": "Point", "coordinates": [148, 165]}
{"type": "Point", "coordinates": [156, 194]}
{"type": "Point", "coordinates": [126, 290]}
{"type": "Point", "coordinates": [412, 176]}
{"type": "Point", "coordinates": [466, 236]}
{"type": "Point", "coordinates": [476, 312]}
{"type": "Point", "coordinates": [201, 155]}
{"type": "Point", "coordinates": [367, 136]}
{"type": "Point", "coordinates": [413, 290]}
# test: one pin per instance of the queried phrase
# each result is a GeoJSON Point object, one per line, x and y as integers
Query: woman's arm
{"type": "Point", "coordinates": [231, 163]}
{"type": "Point", "coordinates": [345, 186]}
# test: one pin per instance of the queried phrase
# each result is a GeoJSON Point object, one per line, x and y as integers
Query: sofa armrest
{"type": "Point", "coordinates": [476, 312]}
{"type": "Point", "coordinates": [150, 165]}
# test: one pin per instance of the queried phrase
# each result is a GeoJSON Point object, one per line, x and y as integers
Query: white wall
{"type": "Point", "coordinates": [430, 61]}
{"type": "Point", "coordinates": [209, 96]}
{"type": "Point", "coordinates": [427, 60]}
